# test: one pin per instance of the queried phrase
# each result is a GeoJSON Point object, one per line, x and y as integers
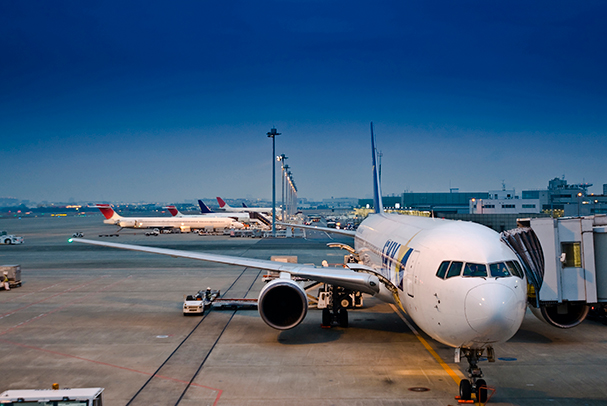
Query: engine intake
{"type": "Point", "coordinates": [564, 315]}
{"type": "Point", "coordinates": [282, 304]}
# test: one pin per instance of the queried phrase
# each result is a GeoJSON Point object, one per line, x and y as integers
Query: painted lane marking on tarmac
{"type": "Point", "coordinates": [456, 376]}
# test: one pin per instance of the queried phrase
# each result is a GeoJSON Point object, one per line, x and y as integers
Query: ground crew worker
{"type": "Point", "coordinates": [7, 286]}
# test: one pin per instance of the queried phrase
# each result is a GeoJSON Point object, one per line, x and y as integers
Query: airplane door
{"type": "Point", "coordinates": [411, 274]}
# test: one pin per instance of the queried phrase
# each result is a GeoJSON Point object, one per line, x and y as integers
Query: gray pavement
{"type": "Point", "coordinates": [92, 316]}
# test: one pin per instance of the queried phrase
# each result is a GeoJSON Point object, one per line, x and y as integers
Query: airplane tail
{"type": "Point", "coordinates": [107, 211]}
{"type": "Point", "coordinates": [244, 205]}
{"type": "Point", "coordinates": [377, 201]}
{"type": "Point", "coordinates": [173, 210]}
{"type": "Point", "coordinates": [222, 204]}
{"type": "Point", "coordinates": [204, 209]}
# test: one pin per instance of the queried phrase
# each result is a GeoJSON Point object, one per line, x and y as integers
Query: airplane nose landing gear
{"type": "Point", "coordinates": [475, 384]}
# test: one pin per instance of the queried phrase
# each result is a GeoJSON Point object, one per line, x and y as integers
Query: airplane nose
{"type": "Point", "coordinates": [493, 310]}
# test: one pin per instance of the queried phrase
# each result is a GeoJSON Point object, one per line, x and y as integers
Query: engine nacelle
{"type": "Point", "coordinates": [282, 304]}
{"type": "Point", "coordinates": [127, 223]}
{"type": "Point", "coordinates": [563, 315]}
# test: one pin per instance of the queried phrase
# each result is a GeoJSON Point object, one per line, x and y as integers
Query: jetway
{"type": "Point", "coordinates": [565, 260]}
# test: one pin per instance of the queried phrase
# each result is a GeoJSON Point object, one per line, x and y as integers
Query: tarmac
{"type": "Point", "coordinates": [90, 316]}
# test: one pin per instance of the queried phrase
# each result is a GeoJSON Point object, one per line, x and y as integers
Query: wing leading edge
{"type": "Point", "coordinates": [362, 281]}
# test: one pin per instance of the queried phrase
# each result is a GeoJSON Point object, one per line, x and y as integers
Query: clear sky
{"type": "Point", "coordinates": [167, 101]}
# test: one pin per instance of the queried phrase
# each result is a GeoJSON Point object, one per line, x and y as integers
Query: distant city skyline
{"type": "Point", "coordinates": [154, 101]}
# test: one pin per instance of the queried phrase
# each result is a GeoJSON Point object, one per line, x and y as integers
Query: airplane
{"type": "Point", "coordinates": [185, 223]}
{"type": "Point", "coordinates": [456, 280]}
{"type": "Point", "coordinates": [240, 217]}
{"type": "Point", "coordinates": [224, 206]}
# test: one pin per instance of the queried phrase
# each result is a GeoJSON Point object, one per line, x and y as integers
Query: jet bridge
{"type": "Point", "coordinates": [565, 261]}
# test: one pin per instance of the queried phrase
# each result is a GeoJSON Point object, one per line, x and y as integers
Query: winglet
{"type": "Point", "coordinates": [204, 209]}
{"type": "Point", "coordinates": [377, 201]}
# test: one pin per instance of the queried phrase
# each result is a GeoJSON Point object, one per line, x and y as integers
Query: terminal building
{"type": "Point", "coordinates": [500, 209]}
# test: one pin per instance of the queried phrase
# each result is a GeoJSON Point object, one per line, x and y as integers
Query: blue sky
{"type": "Point", "coordinates": [167, 101]}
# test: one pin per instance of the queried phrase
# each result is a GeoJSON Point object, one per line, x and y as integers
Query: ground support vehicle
{"type": "Point", "coordinates": [63, 397]}
{"type": "Point", "coordinates": [10, 239]}
{"type": "Point", "coordinates": [13, 273]}
{"type": "Point", "coordinates": [199, 302]}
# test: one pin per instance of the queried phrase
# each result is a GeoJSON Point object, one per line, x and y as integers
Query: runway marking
{"type": "Point", "coordinates": [454, 375]}
{"type": "Point", "coordinates": [50, 297]}
{"type": "Point", "coordinates": [64, 306]}
{"type": "Point", "coordinates": [29, 293]}
{"type": "Point", "coordinates": [168, 378]}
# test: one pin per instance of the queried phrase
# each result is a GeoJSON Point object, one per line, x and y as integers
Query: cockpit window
{"type": "Point", "coordinates": [475, 270]}
{"type": "Point", "coordinates": [499, 270]}
{"type": "Point", "coordinates": [455, 269]}
{"type": "Point", "coordinates": [515, 269]}
{"type": "Point", "coordinates": [442, 269]}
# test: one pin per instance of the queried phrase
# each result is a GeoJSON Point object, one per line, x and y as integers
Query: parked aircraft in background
{"type": "Point", "coordinates": [241, 217]}
{"type": "Point", "coordinates": [456, 280]}
{"type": "Point", "coordinates": [184, 223]}
{"type": "Point", "coordinates": [224, 206]}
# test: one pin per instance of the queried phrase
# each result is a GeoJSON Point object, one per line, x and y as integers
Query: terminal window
{"type": "Point", "coordinates": [508, 206]}
{"type": "Point", "coordinates": [529, 206]}
{"type": "Point", "coordinates": [573, 254]}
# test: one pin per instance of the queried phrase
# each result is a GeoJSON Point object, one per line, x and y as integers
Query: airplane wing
{"type": "Point", "coordinates": [350, 233]}
{"type": "Point", "coordinates": [362, 281]}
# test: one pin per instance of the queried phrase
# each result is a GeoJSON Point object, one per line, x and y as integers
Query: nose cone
{"type": "Point", "coordinates": [494, 311]}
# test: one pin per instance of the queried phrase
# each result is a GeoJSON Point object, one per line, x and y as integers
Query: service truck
{"type": "Point", "coordinates": [9, 239]}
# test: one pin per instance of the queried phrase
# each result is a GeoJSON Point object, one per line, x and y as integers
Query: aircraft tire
{"type": "Point", "coordinates": [465, 389]}
{"type": "Point", "coordinates": [342, 317]}
{"type": "Point", "coordinates": [481, 391]}
{"type": "Point", "coordinates": [326, 317]}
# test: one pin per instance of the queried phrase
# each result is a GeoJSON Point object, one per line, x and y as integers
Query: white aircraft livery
{"type": "Point", "coordinates": [226, 207]}
{"type": "Point", "coordinates": [240, 217]}
{"type": "Point", "coordinates": [195, 223]}
{"type": "Point", "coordinates": [456, 280]}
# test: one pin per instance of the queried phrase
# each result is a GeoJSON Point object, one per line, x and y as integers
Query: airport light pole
{"type": "Point", "coordinates": [272, 134]}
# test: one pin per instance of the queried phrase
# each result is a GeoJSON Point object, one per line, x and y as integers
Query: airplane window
{"type": "Point", "coordinates": [475, 270]}
{"type": "Point", "coordinates": [499, 270]}
{"type": "Point", "coordinates": [515, 269]}
{"type": "Point", "coordinates": [442, 269]}
{"type": "Point", "coordinates": [455, 269]}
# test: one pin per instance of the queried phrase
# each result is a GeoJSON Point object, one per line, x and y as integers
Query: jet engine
{"type": "Point", "coordinates": [562, 315]}
{"type": "Point", "coordinates": [282, 304]}
{"type": "Point", "coordinates": [127, 223]}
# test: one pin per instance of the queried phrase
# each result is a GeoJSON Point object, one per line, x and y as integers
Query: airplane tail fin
{"type": "Point", "coordinates": [107, 211]}
{"type": "Point", "coordinates": [244, 205]}
{"type": "Point", "coordinates": [222, 204]}
{"type": "Point", "coordinates": [204, 209]}
{"type": "Point", "coordinates": [377, 201]}
{"type": "Point", "coordinates": [173, 210]}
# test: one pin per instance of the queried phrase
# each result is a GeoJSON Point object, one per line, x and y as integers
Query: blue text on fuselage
{"type": "Point", "coordinates": [394, 260]}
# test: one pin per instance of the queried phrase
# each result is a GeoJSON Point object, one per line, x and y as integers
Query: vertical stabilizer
{"type": "Point", "coordinates": [222, 203]}
{"type": "Point", "coordinates": [173, 210]}
{"type": "Point", "coordinates": [204, 209]}
{"type": "Point", "coordinates": [377, 202]}
{"type": "Point", "coordinates": [107, 211]}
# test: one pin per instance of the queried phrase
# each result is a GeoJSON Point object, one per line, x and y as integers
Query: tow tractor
{"type": "Point", "coordinates": [199, 302]}
{"type": "Point", "coordinates": [9, 239]}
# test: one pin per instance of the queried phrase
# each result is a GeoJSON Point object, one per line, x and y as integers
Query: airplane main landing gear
{"type": "Point", "coordinates": [335, 302]}
{"type": "Point", "coordinates": [475, 384]}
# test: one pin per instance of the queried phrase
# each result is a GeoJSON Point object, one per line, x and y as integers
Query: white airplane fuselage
{"type": "Point", "coordinates": [175, 222]}
{"type": "Point", "coordinates": [459, 311]}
